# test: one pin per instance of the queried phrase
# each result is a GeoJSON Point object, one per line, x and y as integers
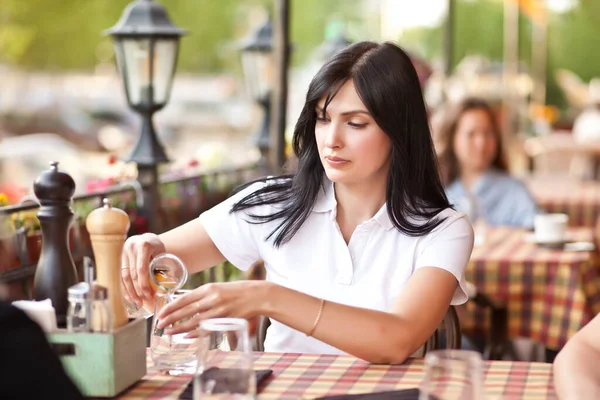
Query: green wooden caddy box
{"type": "Point", "coordinates": [103, 364]}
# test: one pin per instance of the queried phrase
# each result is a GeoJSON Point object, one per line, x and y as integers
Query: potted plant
{"type": "Point", "coordinates": [8, 259]}
{"type": "Point", "coordinates": [28, 223]}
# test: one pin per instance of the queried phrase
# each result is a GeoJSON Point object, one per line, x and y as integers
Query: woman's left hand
{"type": "Point", "coordinates": [241, 299]}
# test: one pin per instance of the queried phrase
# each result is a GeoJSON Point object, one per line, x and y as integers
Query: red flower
{"type": "Point", "coordinates": [112, 159]}
{"type": "Point", "coordinates": [91, 186]}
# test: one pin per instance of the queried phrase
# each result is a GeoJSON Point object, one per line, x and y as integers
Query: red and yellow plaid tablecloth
{"type": "Point", "coordinates": [306, 376]}
{"type": "Point", "coordinates": [579, 200]}
{"type": "Point", "coordinates": [549, 294]}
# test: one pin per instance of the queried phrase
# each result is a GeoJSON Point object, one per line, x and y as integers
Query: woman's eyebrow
{"type": "Point", "coordinates": [355, 112]}
{"type": "Point", "coordinates": [319, 110]}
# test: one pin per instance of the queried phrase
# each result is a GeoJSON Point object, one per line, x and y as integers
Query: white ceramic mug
{"type": "Point", "coordinates": [550, 228]}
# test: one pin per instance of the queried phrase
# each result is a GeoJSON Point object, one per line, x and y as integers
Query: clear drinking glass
{"type": "Point", "coordinates": [172, 354]}
{"type": "Point", "coordinates": [224, 361]}
{"type": "Point", "coordinates": [452, 374]}
{"type": "Point", "coordinates": [167, 273]}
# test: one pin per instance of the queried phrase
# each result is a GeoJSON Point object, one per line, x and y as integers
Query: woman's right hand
{"type": "Point", "coordinates": [138, 251]}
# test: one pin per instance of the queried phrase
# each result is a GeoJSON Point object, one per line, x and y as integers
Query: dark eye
{"type": "Point", "coordinates": [321, 118]}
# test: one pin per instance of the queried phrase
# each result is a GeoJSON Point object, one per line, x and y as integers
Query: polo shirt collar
{"type": "Point", "coordinates": [326, 197]}
{"type": "Point", "coordinates": [326, 202]}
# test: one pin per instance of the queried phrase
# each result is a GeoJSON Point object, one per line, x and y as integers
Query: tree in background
{"type": "Point", "coordinates": [573, 40]}
{"type": "Point", "coordinates": [479, 30]}
{"type": "Point", "coordinates": [67, 34]}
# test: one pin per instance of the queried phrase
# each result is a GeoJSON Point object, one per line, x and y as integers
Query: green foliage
{"type": "Point", "coordinates": [211, 25]}
{"type": "Point", "coordinates": [573, 40]}
{"type": "Point", "coordinates": [224, 272]}
{"type": "Point", "coordinates": [68, 34]}
{"type": "Point", "coordinates": [27, 220]}
{"type": "Point", "coordinates": [479, 29]}
{"type": "Point", "coordinates": [309, 19]}
{"type": "Point", "coordinates": [481, 23]}
{"type": "Point", "coordinates": [83, 208]}
{"type": "Point", "coordinates": [16, 35]}
{"type": "Point", "coordinates": [55, 34]}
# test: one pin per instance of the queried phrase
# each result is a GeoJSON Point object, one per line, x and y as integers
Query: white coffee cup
{"type": "Point", "coordinates": [550, 228]}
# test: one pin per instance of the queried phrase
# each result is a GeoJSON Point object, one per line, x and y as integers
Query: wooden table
{"type": "Point", "coordinates": [306, 376]}
{"type": "Point", "coordinates": [550, 294]}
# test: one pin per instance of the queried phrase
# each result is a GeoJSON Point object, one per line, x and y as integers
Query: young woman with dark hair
{"type": "Point", "coordinates": [474, 168]}
{"type": "Point", "coordinates": [362, 251]}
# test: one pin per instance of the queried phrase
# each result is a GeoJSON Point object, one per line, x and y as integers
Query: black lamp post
{"type": "Point", "coordinates": [257, 65]}
{"type": "Point", "coordinates": [146, 46]}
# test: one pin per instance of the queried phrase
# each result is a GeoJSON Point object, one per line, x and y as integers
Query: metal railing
{"type": "Point", "coordinates": [183, 198]}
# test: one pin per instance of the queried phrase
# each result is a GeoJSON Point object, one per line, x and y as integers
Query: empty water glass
{"type": "Point", "coordinates": [452, 374]}
{"type": "Point", "coordinates": [172, 354]}
{"type": "Point", "coordinates": [224, 361]}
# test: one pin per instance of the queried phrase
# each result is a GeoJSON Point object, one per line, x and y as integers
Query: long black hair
{"type": "Point", "coordinates": [387, 84]}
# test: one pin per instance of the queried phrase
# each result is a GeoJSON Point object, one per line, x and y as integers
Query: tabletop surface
{"type": "Point", "coordinates": [513, 244]}
{"type": "Point", "coordinates": [306, 376]}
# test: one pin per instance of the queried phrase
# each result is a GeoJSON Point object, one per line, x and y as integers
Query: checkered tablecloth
{"type": "Point", "coordinates": [550, 294]}
{"type": "Point", "coordinates": [306, 376]}
{"type": "Point", "coordinates": [579, 200]}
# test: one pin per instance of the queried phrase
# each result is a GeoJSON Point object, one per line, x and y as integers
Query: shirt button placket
{"type": "Point", "coordinates": [344, 273]}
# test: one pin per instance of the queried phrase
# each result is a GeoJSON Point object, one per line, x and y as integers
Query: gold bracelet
{"type": "Point", "coordinates": [317, 319]}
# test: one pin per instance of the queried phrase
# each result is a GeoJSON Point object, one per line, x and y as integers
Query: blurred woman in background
{"type": "Point", "coordinates": [474, 169]}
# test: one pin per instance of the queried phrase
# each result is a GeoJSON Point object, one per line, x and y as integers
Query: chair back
{"type": "Point", "coordinates": [446, 336]}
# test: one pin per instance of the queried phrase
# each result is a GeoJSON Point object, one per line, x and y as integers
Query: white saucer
{"type": "Point", "coordinates": [566, 244]}
{"type": "Point", "coordinates": [579, 246]}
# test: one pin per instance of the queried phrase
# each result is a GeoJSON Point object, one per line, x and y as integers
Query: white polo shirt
{"type": "Point", "coordinates": [369, 272]}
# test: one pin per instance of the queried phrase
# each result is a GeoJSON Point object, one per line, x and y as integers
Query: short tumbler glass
{"type": "Point", "coordinates": [452, 374]}
{"type": "Point", "coordinates": [224, 361]}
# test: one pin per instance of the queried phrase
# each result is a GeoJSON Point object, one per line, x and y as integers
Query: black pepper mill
{"type": "Point", "coordinates": [55, 271]}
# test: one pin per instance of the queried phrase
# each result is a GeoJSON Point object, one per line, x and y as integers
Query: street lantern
{"type": "Point", "coordinates": [146, 47]}
{"type": "Point", "coordinates": [257, 66]}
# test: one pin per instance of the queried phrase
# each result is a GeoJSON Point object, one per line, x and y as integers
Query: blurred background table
{"type": "Point", "coordinates": [560, 152]}
{"type": "Point", "coordinates": [580, 200]}
{"type": "Point", "coordinates": [549, 294]}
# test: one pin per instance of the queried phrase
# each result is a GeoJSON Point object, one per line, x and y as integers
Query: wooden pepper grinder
{"type": "Point", "coordinates": [55, 271]}
{"type": "Point", "coordinates": [108, 228]}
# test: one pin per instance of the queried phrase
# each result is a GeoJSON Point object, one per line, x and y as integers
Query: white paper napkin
{"type": "Point", "coordinates": [42, 312]}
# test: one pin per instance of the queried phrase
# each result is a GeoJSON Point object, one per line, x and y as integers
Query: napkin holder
{"type": "Point", "coordinates": [103, 364]}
